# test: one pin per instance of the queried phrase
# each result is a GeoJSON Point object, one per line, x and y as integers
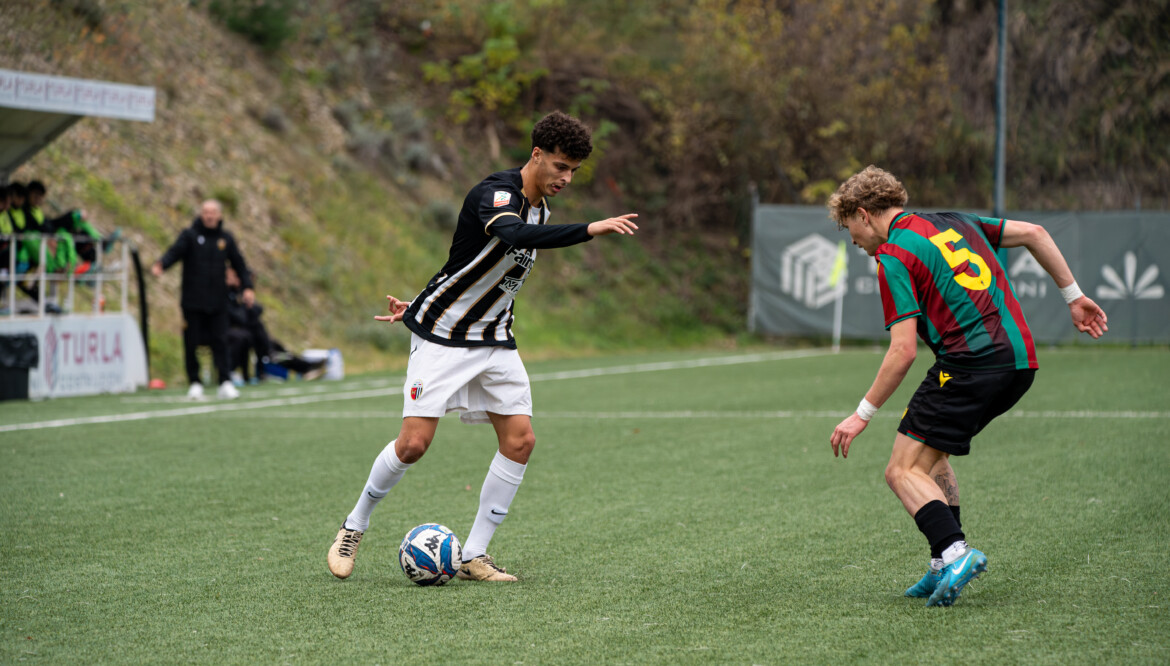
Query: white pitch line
{"type": "Point", "coordinates": [192, 411]}
{"type": "Point", "coordinates": [268, 391]}
{"type": "Point", "coordinates": [356, 395]}
{"type": "Point", "coordinates": [1087, 414]}
{"type": "Point", "coordinates": [679, 365]}
{"type": "Point", "coordinates": [711, 414]}
{"type": "Point", "coordinates": [314, 395]}
{"type": "Point", "coordinates": [822, 413]}
{"type": "Point", "coordinates": [684, 414]}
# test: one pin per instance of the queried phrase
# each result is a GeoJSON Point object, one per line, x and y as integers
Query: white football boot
{"type": "Point", "coordinates": [483, 568]}
{"type": "Point", "coordinates": [343, 550]}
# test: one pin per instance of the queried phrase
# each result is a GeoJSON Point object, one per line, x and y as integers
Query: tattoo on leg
{"type": "Point", "coordinates": [950, 487]}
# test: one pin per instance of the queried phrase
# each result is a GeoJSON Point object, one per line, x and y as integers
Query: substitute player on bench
{"type": "Point", "coordinates": [462, 354]}
{"type": "Point", "coordinates": [939, 277]}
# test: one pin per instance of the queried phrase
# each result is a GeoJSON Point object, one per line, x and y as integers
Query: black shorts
{"type": "Point", "coordinates": [951, 406]}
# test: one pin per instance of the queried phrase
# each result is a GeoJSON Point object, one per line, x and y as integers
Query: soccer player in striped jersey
{"type": "Point", "coordinates": [462, 353]}
{"type": "Point", "coordinates": [940, 278]}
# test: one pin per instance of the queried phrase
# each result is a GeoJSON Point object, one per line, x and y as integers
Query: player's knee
{"type": "Point", "coordinates": [410, 447]}
{"type": "Point", "coordinates": [519, 447]}
{"type": "Point", "coordinates": [894, 476]}
{"type": "Point", "coordinates": [528, 442]}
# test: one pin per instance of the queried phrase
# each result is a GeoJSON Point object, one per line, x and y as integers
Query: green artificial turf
{"type": "Point", "coordinates": [669, 515]}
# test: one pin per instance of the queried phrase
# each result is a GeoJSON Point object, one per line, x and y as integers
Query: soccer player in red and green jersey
{"type": "Point", "coordinates": [940, 280]}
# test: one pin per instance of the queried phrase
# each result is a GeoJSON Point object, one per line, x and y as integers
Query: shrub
{"type": "Point", "coordinates": [90, 11]}
{"type": "Point", "coordinates": [266, 23]}
{"type": "Point", "coordinates": [228, 197]}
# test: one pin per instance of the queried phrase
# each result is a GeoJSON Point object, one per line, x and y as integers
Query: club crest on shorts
{"type": "Point", "coordinates": [416, 390]}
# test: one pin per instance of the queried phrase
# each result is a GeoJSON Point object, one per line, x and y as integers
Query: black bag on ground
{"type": "Point", "coordinates": [18, 353]}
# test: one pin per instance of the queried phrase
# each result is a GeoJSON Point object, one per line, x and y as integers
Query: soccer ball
{"type": "Point", "coordinates": [430, 554]}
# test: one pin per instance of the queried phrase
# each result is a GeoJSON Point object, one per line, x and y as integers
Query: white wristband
{"type": "Point", "coordinates": [866, 410]}
{"type": "Point", "coordinates": [1071, 292]}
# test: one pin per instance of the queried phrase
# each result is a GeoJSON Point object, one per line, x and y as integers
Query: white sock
{"type": "Point", "coordinates": [954, 552]}
{"type": "Point", "coordinates": [500, 486]}
{"type": "Point", "coordinates": [936, 564]}
{"type": "Point", "coordinates": [386, 472]}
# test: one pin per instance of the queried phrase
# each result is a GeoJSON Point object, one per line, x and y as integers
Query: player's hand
{"type": "Point", "coordinates": [156, 269]}
{"type": "Point", "coordinates": [249, 297]}
{"type": "Point", "coordinates": [397, 309]}
{"type": "Point", "coordinates": [1088, 317]}
{"type": "Point", "coordinates": [621, 224]}
{"type": "Point", "coordinates": [844, 433]}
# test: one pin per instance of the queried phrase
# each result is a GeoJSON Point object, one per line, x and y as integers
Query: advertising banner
{"type": "Point", "coordinates": [77, 97]}
{"type": "Point", "coordinates": [801, 264]}
{"type": "Point", "coordinates": [83, 355]}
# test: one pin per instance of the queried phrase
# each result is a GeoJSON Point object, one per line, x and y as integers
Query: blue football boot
{"type": "Point", "coordinates": [925, 587]}
{"type": "Point", "coordinates": [956, 575]}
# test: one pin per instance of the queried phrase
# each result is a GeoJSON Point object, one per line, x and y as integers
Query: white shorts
{"type": "Point", "coordinates": [469, 380]}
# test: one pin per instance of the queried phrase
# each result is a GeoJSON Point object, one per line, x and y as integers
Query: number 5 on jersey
{"type": "Point", "coordinates": [959, 256]}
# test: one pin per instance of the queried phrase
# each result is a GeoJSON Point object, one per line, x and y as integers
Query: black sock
{"type": "Point", "coordinates": [955, 511]}
{"type": "Point", "coordinates": [938, 524]}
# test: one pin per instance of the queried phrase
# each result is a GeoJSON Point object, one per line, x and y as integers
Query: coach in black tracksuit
{"type": "Point", "coordinates": [206, 250]}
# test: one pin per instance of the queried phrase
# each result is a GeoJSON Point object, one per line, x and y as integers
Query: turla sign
{"type": "Point", "coordinates": [83, 355]}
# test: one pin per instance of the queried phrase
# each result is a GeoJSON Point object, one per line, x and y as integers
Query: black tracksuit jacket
{"type": "Point", "coordinates": [206, 254]}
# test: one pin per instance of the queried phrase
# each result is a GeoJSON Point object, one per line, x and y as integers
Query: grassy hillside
{"type": "Point", "coordinates": [336, 201]}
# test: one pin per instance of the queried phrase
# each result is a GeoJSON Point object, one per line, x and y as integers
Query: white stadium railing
{"type": "Point", "coordinates": [47, 293]}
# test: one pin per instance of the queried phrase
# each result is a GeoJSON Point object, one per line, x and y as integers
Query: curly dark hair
{"type": "Point", "coordinates": [560, 132]}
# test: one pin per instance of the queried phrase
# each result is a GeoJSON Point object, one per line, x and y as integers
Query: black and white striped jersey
{"type": "Point", "coordinates": [469, 302]}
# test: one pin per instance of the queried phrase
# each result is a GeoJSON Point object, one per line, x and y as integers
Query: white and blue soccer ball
{"type": "Point", "coordinates": [430, 554]}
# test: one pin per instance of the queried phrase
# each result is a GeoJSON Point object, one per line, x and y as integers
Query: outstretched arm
{"type": "Point", "coordinates": [1087, 316]}
{"type": "Point", "coordinates": [899, 357]}
{"type": "Point", "coordinates": [516, 233]}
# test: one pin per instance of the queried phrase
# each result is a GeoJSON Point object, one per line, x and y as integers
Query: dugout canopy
{"type": "Point", "coordinates": [36, 108]}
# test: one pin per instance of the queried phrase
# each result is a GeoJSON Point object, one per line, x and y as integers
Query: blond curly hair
{"type": "Point", "coordinates": [873, 189]}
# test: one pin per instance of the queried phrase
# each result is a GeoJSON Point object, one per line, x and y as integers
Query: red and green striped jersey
{"type": "Point", "coordinates": [942, 268]}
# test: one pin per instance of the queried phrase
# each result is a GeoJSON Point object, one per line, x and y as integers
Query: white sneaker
{"type": "Point", "coordinates": [195, 392]}
{"type": "Point", "coordinates": [227, 391]}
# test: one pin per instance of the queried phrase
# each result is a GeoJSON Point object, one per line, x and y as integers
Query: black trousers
{"type": "Point", "coordinates": [206, 329]}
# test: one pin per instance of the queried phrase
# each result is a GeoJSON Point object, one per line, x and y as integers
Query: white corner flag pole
{"type": "Point", "coordinates": [840, 272]}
